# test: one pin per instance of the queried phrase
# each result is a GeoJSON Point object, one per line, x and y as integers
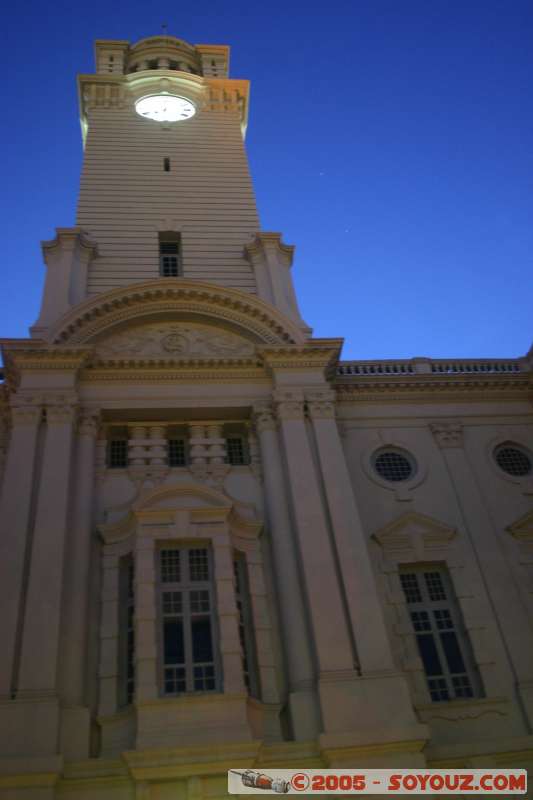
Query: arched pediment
{"type": "Point", "coordinates": [176, 301]}
{"type": "Point", "coordinates": [181, 495]}
{"type": "Point", "coordinates": [180, 504]}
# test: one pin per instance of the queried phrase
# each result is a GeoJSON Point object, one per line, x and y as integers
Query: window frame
{"type": "Point", "coordinates": [245, 462]}
{"type": "Point", "coordinates": [174, 239]}
{"type": "Point", "coordinates": [185, 587]}
{"type": "Point", "coordinates": [444, 681]}
{"type": "Point", "coordinates": [109, 446]}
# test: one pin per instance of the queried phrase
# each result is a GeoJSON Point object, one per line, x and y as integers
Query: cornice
{"type": "Point", "coordinates": [427, 388]}
{"type": "Point", "coordinates": [314, 354]}
{"type": "Point", "coordinates": [34, 354]}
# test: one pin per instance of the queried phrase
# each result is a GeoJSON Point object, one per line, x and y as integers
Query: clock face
{"type": "Point", "coordinates": [165, 107]}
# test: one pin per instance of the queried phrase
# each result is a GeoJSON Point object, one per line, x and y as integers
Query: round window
{"type": "Point", "coordinates": [513, 460]}
{"type": "Point", "coordinates": [394, 465]}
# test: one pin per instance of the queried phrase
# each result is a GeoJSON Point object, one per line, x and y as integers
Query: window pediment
{"type": "Point", "coordinates": [414, 533]}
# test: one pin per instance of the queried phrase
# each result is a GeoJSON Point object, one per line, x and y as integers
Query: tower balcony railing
{"type": "Point", "coordinates": [433, 366]}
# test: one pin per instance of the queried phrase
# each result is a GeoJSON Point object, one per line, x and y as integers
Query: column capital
{"type": "Point", "coordinates": [89, 422]}
{"type": "Point", "coordinates": [264, 418]}
{"type": "Point", "coordinates": [28, 413]}
{"type": "Point", "coordinates": [447, 434]}
{"type": "Point", "coordinates": [321, 404]}
{"type": "Point", "coordinates": [61, 410]}
{"type": "Point", "coordinates": [289, 404]}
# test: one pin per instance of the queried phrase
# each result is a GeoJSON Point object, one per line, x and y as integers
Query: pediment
{"type": "Point", "coordinates": [522, 528]}
{"type": "Point", "coordinates": [173, 340]}
{"type": "Point", "coordinates": [414, 532]}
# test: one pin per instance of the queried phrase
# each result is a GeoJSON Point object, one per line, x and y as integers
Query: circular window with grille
{"type": "Point", "coordinates": [394, 465]}
{"type": "Point", "coordinates": [513, 459]}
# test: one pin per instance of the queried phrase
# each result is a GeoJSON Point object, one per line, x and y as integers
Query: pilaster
{"type": "Point", "coordinates": [334, 650]}
{"type": "Point", "coordinates": [17, 507]}
{"type": "Point", "coordinates": [303, 701]}
{"type": "Point", "coordinates": [75, 714]}
{"type": "Point", "coordinates": [40, 639]}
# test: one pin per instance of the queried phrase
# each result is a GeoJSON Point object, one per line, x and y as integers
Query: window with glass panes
{"type": "Point", "coordinates": [246, 632]}
{"type": "Point", "coordinates": [187, 621]}
{"type": "Point", "coordinates": [236, 450]}
{"type": "Point", "coordinates": [177, 452]}
{"type": "Point", "coordinates": [117, 453]}
{"type": "Point", "coordinates": [440, 634]}
{"type": "Point", "coordinates": [169, 259]}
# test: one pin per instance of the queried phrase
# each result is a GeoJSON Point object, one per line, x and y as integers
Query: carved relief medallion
{"type": "Point", "coordinates": [190, 340]}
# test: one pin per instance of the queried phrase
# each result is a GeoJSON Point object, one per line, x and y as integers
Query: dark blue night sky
{"type": "Point", "coordinates": [391, 141]}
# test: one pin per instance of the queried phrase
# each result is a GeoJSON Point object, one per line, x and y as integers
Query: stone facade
{"type": "Point", "coordinates": [217, 538]}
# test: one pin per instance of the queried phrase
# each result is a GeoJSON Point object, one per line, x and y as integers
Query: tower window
{"type": "Point", "coordinates": [166, 164]}
{"type": "Point", "coordinates": [187, 622]}
{"type": "Point", "coordinates": [153, 63]}
{"type": "Point", "coordinates": [173, 65]}
{"type": "Point", "coordinates": [170, 255]}
{"type": "Point", "coordinates": [442, 640]}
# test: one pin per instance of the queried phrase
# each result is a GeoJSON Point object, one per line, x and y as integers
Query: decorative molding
{"type": "Point", "coordinates": [289, 404]}
{"type": "Point", "coordinates": [89, 422]}
{"type": "Point", "coordinates": [445, 388]}
{"type": "Point", "coordinates": [447, 434]}
{"type": "Point", "coordinates": [171, 296]}
{"type": "Point", "coordinates": [59, 413]}
{"type": "Point", "coordinates": [264, 418]}
{"type": "Point", "coordinates": [321, 404]}
{"type": "Point", "coordinates": [26, 414]}
{"type": "Point", "coordinates": [316, 354]}
{"type": "Point", "coordinates": [414, 534]}
{"type": "Point", "coordinates": [174, 340]}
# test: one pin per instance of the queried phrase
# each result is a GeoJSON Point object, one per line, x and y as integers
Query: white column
{"type": "Point", "coordinates": [294, 623]}
{"type": "Point", "coordinates": [372, 642]}
{"type": "Point", "coordinates": [228, 618]}
{"type": "Point", "coordinates": [333, 644]}
{"type": "Point", "coordinates": [146, 679]}
{"type": "Point", "coordinates": [15, 518]}
{"type": "Point", "coordinates": [510, 614]}
{"type": "Point", "coordinates": [78, 555]}
{"type": "Point", "coordinates": [40, 639]}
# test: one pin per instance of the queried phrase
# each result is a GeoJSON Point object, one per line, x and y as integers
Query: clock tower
{"type": "Point", "coordinates": [165, 188]}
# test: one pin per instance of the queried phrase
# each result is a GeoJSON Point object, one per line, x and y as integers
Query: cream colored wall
{"type": "Point", "coordinates": [126, 197]}
{"type": "Point", "coordinates": [488, 566]}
